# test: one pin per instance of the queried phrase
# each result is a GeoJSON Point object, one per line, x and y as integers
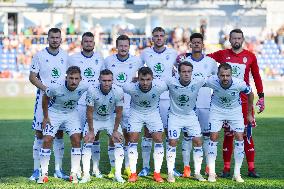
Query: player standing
{"type": "Point", "coordinates": [226, 107]}
{"type": "Point", "coordinates": [203, 66]}
{"type": "Point", "coordinates": [102, 101]}
{"type": "Point", "coordinates": [124, 67]}
{"type": "Point", "coordinates": [145, 95]}
{"type": "Point", "coordinates": [91, 63]}
{"type": "Point", "coordinates": [58, 104]}
{"type": "Point", "coordinates": [48, 67]}
{"type": "Point", "coordinates": [243, 64]}
{"type": "Point", "coordinates": [161, 60]}
{"type": "Point", "coordinates": [183, 94]}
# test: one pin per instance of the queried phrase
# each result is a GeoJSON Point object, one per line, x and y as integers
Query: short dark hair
{"type": "Point", "coordinates": [225, 66]}
{"type": "Point", "coordinates": [237, 30]}
{"type": "Point", "coordinates": [184, 63]}
{"type": "Point", "coordinates": [106, 72]}
{"type": "Point", "coordinates": [53, 30]}
{"type": "Point", "coordinates": [158, 29]}
{"type": "Point", "coordinates": [144, 71]}
{"type": "Point", "coordinates": [196, 35]}
{"type": "Point", "coordinates": [122, 37]}
{"type": "Point", "coordinates": [73, 70]}
{"type": "Point", "coordinates": [88, 34]}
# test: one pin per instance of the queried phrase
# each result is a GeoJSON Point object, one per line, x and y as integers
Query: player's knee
{"type": "Point", "coordinates": [173, 142]}
{"type": "Point", "coordinates": [47, 141]}
{"type": "Point", "coordinates": [111, 142]}
{"type": "Point", "coordinates": [239, 136]}
{"type": "Point", "coordinates": [214, 137]}
{"type": "Point", "coordinates": [197, 142]}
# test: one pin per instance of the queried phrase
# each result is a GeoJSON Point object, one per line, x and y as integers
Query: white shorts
{"type": "Point", "coordinates": [189, 124]}
{"type": "Point", "coordinates": [152, 120]}
{"type": "Point", "coordinates": [38, 113]}
{"type": "Point", "coordinates": [164, 110]}
{"type": "Point", "coordinates": [234, 119]}
{"type": "Point", "coordinates": [203, 117]}
{"type": "Point", "coordinates": [100, 125]}
{"type": "Point", "coordinates": [82, 109]}
{"type": "Point", "coordinates": [69, 122]}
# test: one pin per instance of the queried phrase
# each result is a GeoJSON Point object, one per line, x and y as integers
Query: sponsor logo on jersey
{"type": "Point", "coordinates": [183, 99]}
{"type": "Point", "coordinates": [159, 68]}
{"type": "Point", "coordinates": [103, 110]}
{"type": "Point", "coordinates": [89, 73]}
{"type": "Point", "coordinates": [121, 77]}
{"type": "Point", "coordinates": [144, 103]}
{"type": "Point", "coordinates": [55, 73]}
{"type": "Point", "coordinates": [70, 104]}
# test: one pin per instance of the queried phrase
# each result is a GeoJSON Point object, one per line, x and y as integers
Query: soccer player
{"type": "Point", "coordinates": [102, 101]}
{"type": "Point", "coordinates": [91, 63]}
{"type": "Point", "coordinates": [124, 67]}
{"type": "Point", "coordinates": [203, 66]}
{"type": "Point", "coordinates": [161, 60]}
{"type": "Point", "coordinates": [145, 95]}
{"type": "Point", "coordinates": [243, 64]}
{"type": "Point", "coordinates": [48, 67]}
{"type": "Point", "coordinates": [226, 107]}
{"type": "Point", "coordinates": [183, 94]}
{"type": "Point", "coordinates": [58, 104]}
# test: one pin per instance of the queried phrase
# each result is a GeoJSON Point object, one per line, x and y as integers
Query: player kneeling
{"type": "Point", "coordinates": [59, 105]}
{"type": "Point", "coordinates": [183, 95]}
{"type": "Point", "coordinates": [226, 107]}
{"type": "Point", "coordinates": [102, 101]}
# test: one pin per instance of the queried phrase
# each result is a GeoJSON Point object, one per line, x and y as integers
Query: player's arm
{"type": "Point", "coordinates": [36, 82]}
{"type": "Point", "coordinates": [34, 70]}
{"type": "Point", "coordinates": [116, 136]}
{"type": "Point", "coordinates": [45, 101]}
{"type": "Point", "coordinates": [89, 114]}
{"type": "Point", "coordinates": [258, 84]}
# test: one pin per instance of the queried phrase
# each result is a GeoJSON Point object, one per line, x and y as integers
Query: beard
{"type": "Point", "coordinates": [88, 50]}
{"type": "Point", "coordinates": [54, 46]}
{"type": "Point", "coordinates": [237, 46]}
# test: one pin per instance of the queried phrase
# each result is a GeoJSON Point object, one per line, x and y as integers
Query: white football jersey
{"type": "Point", "coordinates": [50, 68]}
{"type": "Point", "coordinates": [123, 71]}
{"type": "Point", "coordinates": [104, 104]}
{"type": "Point", "coordinates": [183, 98]}
{"type": "Point", "coordinates": [90, 69]}
{"type": "Point", "coordinates": [161, 63]}
{"type": "Point", "coordinates": [148, 102]}
{"type": "Point", "coordinates": [204, 67]}
{"type": "Point", "coordinates": [224, 99]}
{"type": "Point", "coordinates": [63, 100]}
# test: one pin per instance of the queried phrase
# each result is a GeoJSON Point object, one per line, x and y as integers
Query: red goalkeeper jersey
{"type": "Point", "coordinates": [243, 64]}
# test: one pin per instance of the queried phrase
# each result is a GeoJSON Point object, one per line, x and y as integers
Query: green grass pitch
{"type": "Point", "coordinates": [16, 164]}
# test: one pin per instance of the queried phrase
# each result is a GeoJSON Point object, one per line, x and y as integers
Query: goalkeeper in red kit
{"type": "Point", "coordinates": [243, 64]}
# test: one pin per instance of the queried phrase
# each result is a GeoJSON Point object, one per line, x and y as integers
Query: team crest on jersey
{"type": "Point", "coordinates": [233, 93]}
{"type": "Point", "coordinates": [89, 73]}
{"type": "Point", "coordinates": [183, 99]}
{"type": "Point", "coordinates": [159, 68]}
{"type": "Point", "coordinates": [121, 77]}
{"type": "Point", "coordinates": [102, 110]}
{"type": "Point", "coordinates": [110, 100]}
{"type": "Point", "coordinates": [224, 100]}
{"type": "Point", "coordinates": [144, 103]}
{"type": "Point", "coordinates": [236, 71]}
{"type": "Point", "coordinates": [192, 88]}
{"type": "Point", "coordinates": [168, 57]}
{"type": "Point", "coordinates": [153, 96]}
{"type": "Point", "coordinates": [79, 93]}
{"type": "Point", "coordinates": [61, 61]}
{"type": "Point", "coordinates": [69, 104]}
{"type": "Point", "coordinates": [55, 73]}
{"type": "Point", "coordinates": [96, 61]}
{"type": "Point", "coordinates": [245, 60]}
